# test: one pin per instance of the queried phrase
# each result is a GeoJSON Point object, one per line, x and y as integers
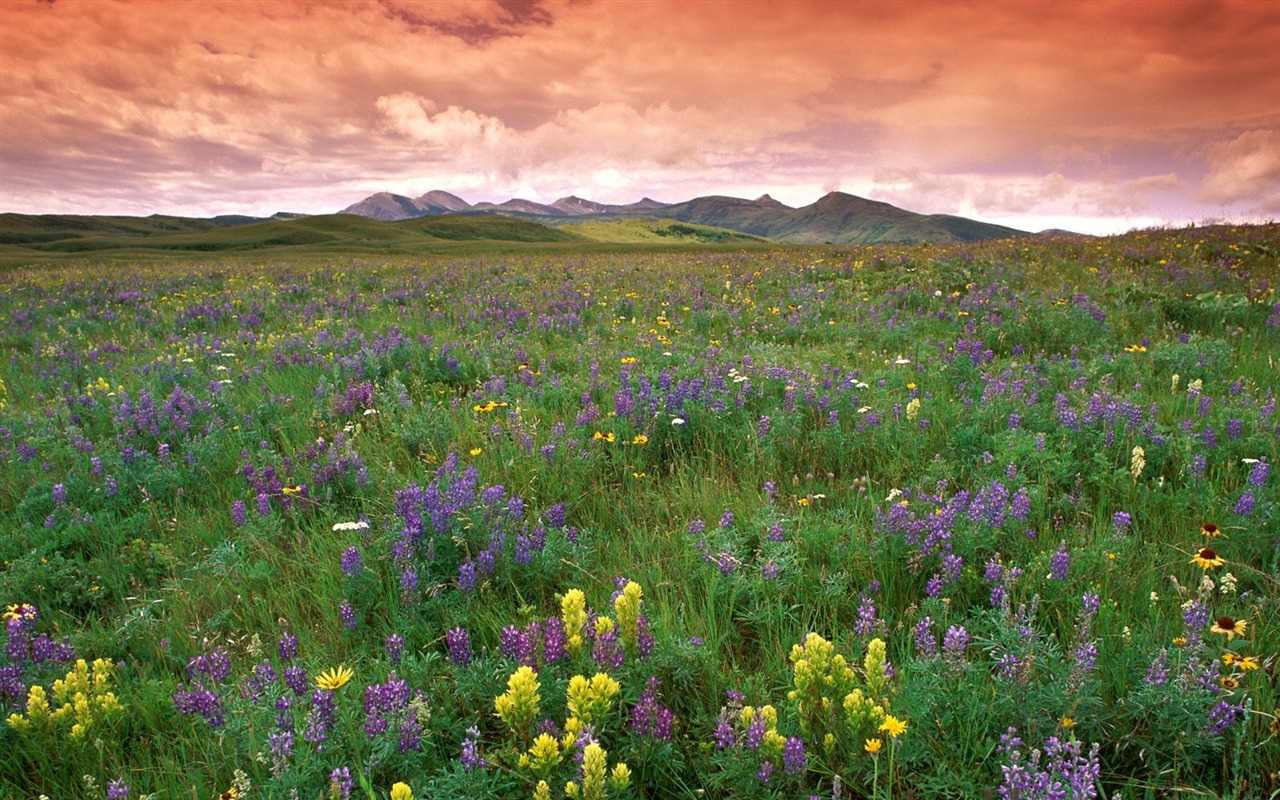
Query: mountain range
{"type": "Point", "coordinates": [835, 218]}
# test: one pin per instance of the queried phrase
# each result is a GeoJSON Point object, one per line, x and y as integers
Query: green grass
{"type": "Point", "coordinates": [999, 388]}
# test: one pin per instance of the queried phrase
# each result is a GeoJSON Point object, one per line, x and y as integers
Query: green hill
{"type": "Point", "coordinates": [647, 230]}
{"type": "Point", "coordinates": [67, 234]}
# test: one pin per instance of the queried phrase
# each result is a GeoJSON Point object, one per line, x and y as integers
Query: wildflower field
{"type": "Point", "coordinates": [985, 520]}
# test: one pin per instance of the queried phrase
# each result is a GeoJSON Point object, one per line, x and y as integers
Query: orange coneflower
{"type": "Point", "coordinates": [1248, 663]}
{"type": "Point", "coordinates": [1229, 683]}
{"type": "Point", "coordinates": [1211, 530]}
{"type": "Point", "coordinates": [1230, 627]}
{"type": "Point", "coordinates": [1206, 559]}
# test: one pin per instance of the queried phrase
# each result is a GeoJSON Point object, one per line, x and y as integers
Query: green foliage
{"type": "Point", "coordinates": [918, 459]}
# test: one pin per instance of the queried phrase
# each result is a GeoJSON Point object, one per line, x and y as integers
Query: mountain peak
{"type": "Point", "coordinates": [439, 199]}
{"type": "Point", "coordinates": [766, 200]}
{"type": "Point", "coordinates": [576, 205]}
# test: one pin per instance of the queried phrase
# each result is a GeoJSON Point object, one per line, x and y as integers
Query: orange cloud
{"type": "Point", "coordinates": [1093, 109]}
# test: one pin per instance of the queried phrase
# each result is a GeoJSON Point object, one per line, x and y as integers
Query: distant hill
{"type": "Point", "coordinates": [836, 218]}
{"type": "Point", "coordinates": [390, 207]}
{"type": "Point", "coordinates": [333, 232]}
{"type": "Point", "coordinates": [650, 230]}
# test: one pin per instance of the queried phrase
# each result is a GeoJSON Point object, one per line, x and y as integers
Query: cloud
{"type": "Point", "coordinates": [454, 127]}
{"type": "Point", "coordinates": [187, 107]}
{"type": "Point", "coordinates": [1245, 170]}
{"type": "Point", "coordinates": [1009, 196]}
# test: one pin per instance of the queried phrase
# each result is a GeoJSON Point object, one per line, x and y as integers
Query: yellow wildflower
{"type": "Point", "coordinates": [893, 726]}
{"type": "Point", "coordinates": [332, 680]}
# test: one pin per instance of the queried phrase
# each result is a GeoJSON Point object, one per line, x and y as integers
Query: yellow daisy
{"type": "Point", "coordinates": [1231, 628]}
{"type": "Point", "coordinates": [893, 726]}
{"type": "Point", "coordinates": [1248, 663]}
{"type": "Point", "coordinates": [334, 679]}
{"type": "Point", "coordinates": [873, 746]}
{"type": "Point", "coordinates": [1206, 559]}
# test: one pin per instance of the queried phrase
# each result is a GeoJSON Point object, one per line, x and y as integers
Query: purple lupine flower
{"type": "Point", "coordinates": [410, 735]}
{"type": "Point", "coordinates": [459, 643]}
{"type": "Point", "coordinates": [202, 701]}
{"type": "Point", "coordinates": [255, 684]}
{"type": "Point", "coordinates": [725, 562]}
{"type": "Point", "coordinates": [954, 643]}
{"type": "Point", "coordinates": [394, 647]}
{"type": "Point", "coordinates": [1198, 465]}
{"type": "Point", "coordinates": [320, 719]}
{"type": "Point", "coordinates": [347, 613]}
{"type": "Point", "coordinates": [384, 703]}
{"type": "Point", "coordinates": [1086, 654]}
{"type": "Point", "coordinates": [775, 532]}
{"type": "Point", "coordinates": [288, 646]}
{"type": "Point", "coordinates": [109, 486]}
{"type": "Point", "coordinates": [213, 667]}
{"type": "Point", "coordinates": [281, 743]}
{"type": "Point", "coordinates": [1235, 427]}
{"type": "Point", "coordinates": [649, 717]}
{"type": "Point", "coordinates": [763, 427]}
{"type": "Point", "coordinates": [770, 572]}
{"type": "Point", "coordinates": [352, 562]}
{"type": "Point", "coordinates": [726, 519]}
{"type": "Point", "coordinates": [471, 758]}
{"type": "Point", "coordinates": [341, 783]}
{"type": "Point", "coordinates": [408, 583]}
{"type": "Point", "coordinates": [1244, 506]}
{"type": "Point", "coordinates": [1008, 665]}
{"type": "Point", "coordinates": [724, 735]}
{"type": "Point", "coordinates": [1020, 505]}
{"type": "Point", "coordinates": [1258, 474]}
{"type": "Point", "coordinates": [467, 577]}
{"type": "Point", "coordinates": [517, 645]}
{"type": "Point", "coordinates": [1158, 671]}
{"type": "Point", "coordinates": [607, 651]}
{"type": "Point", "coordinates": [118, 790]}
{"type": "Point", "coordinates": [866, 621]}
{"type": "Point", "coordinates": [1221, 717]}
{"type": "Point", "coordinates": [238, 514]}
{"type": "Point", "coordinates": [793, 757]}
{"type": "Point", "coordinates": [1060, 564]}
{"type": "Point", "coordinates": [926, 642]}
{"type": "Point", "coordinates": [696, 527]}
{"type": "Point", "coordinates": [59, 495]}
{"type": "Point", "coordinates": [264, 505]}
{"type": "Point", "coordinates": [284, 712]}
{"type": "Point", "coordinates": [296, 679]}
{"type": "Point", "coordinates": [1120, 523]}
{"type": "Point", "coordinates": [766, 771]}
{"type": "Point", "coordinates": [755, 732]}
{"type": "Point", "coordinates": [554, 640]}
{"type": "Point", "coordinates": [644, 639]}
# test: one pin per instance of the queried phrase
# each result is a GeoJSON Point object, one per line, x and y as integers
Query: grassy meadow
{"type": "Point", "coordinates": [985, 520]}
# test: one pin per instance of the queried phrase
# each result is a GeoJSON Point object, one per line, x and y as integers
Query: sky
{"type": "Point", "coordinates": [1098, 117]}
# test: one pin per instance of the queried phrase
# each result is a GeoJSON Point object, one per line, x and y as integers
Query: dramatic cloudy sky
{"type": "Point", "coordinates": [1095, 116]}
